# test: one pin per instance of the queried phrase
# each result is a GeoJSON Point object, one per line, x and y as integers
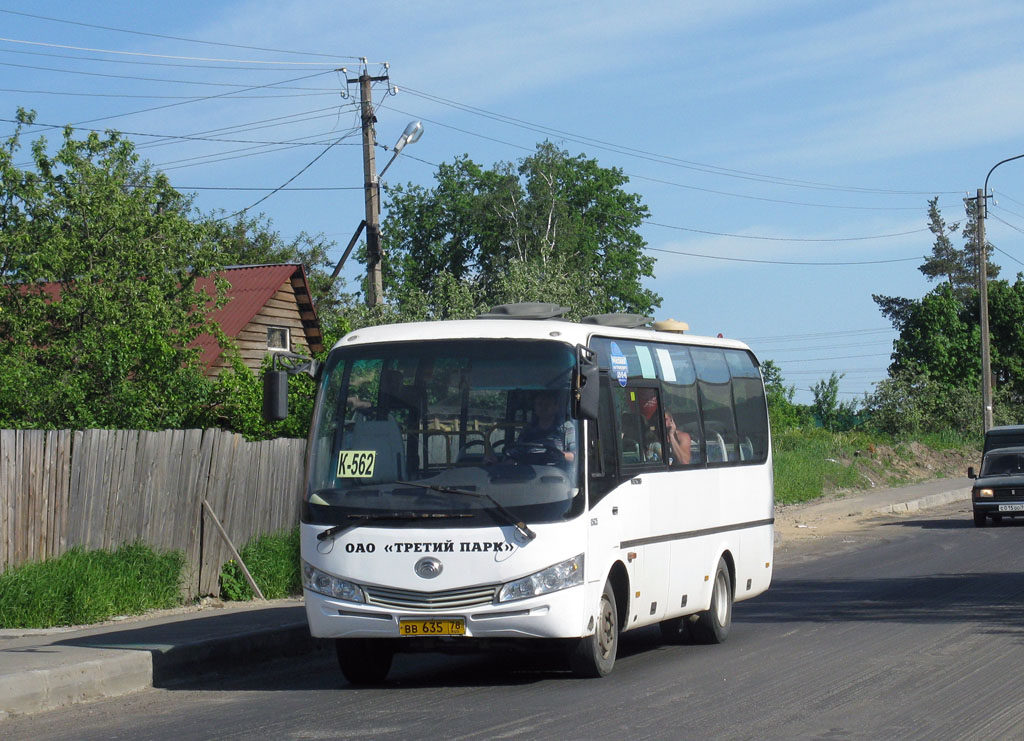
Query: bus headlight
{"type": "Point", "coordinates": [316, 580]}
{"type": "Point", "coordinates": [560, 576]}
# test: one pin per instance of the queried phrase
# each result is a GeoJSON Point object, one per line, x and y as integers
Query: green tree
{"type": "Point", "coordinates": [782, 411]}
{"type": "Point", "coordinates": [832, 413]}
{"type": "Point", "coordinates": [550, 228]}
{"type": "Point", "coordinates": [110, 347]}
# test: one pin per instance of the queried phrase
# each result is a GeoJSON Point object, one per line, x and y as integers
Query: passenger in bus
{"type": "Point", "coordinates": [678, 441]}
{"type": "Point", "coordinates": [549, 426]}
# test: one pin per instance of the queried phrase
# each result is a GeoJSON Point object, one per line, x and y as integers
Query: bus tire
{"type": "Point", "coordinates": [594, 655]}
{"type": "Point", "coordinates": [712, 625]}
{"type": "Point", "coordinates": [364, 660]}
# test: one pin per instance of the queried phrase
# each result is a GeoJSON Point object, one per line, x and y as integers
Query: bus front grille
{"type": "Point", "coordinates": [451, 599]}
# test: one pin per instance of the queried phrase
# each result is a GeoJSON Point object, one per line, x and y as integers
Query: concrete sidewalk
{"type": "Point", "coordinates": [46, 669]}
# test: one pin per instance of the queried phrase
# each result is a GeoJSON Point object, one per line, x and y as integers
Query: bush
{"type": "Point", "coordinates": [83, 587]}
{"type": "Point", "coordinates": [912, 404]}
{"type": "Point", "coordinates": [273, 562]}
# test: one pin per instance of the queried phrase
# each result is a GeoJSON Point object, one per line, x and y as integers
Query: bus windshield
{"type": "Point", "coordinates": [426, 431]}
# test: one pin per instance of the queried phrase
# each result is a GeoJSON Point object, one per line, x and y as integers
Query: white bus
{"type": "Point", "coordinates": [520, 477]}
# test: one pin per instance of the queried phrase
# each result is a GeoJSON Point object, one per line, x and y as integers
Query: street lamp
{"type": "Point", "coordinates": [986, 357]}
{"type": "Point", "coordinates": [411, 135]}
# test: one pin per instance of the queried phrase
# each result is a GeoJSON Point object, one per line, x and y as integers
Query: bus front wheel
{"type": "Point", "coordinates": [712, 626]}
{"type": "Point", "coordinates": [364, 660]}
{"type": "Point", "coordinates": [594, 655]}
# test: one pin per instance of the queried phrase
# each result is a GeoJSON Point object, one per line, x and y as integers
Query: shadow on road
{"type": "Point", "coordinates": [990, 601]}
{"type": "Point", "coordinates": [958, 523]}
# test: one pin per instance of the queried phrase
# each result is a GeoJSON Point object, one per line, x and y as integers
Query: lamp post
{"type": "Point", "coordinates": [986, 360]}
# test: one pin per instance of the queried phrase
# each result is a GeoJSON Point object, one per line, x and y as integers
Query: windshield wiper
{"type": "Point", "coordinates": [367, 519]}
{"type": "Point", "coordinates": [510, 518]}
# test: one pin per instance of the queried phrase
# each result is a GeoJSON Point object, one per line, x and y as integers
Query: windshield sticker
{"type": "Point", "coordinates": [619, 365]}
{"type": "Point", "coordinates": [668, 371]}
{"type": "Point", "coordinates": [356, 464]}
{"type": "Point", "coordinates": [643, 354]}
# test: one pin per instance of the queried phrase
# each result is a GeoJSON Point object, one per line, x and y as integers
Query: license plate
{"type": "Point", "coordinates": [1011, 507]}
{"type": "Point", "coordinates": [445, 627]}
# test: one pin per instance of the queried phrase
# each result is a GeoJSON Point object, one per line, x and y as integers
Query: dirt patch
{"type": "Point", "coordinates": [883, 466]}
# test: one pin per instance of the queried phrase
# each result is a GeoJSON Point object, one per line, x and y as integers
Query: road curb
{"type": "Point", "coordinates": [932, 500]}
{"type": "Point", "coordinates": [110, 671]}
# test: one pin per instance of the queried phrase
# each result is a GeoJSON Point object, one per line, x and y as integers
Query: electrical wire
{"type": "Point", "coordinates": [175, 38]}
{"type": "Point", "coordinates": [779, 262]}
{"type": "Point", "coordinates": [791, 239]}
{"type": "Point", "coordinates": [819, 335]}
{"type": "Point", "coordinates": [665, 159]}
{"type": "Point", "coordinates": [134, 62]}
{"type": "Point", "coordinates": [182, 137]}
{"type": "Point", "coordinates": [155, 56]}
{"type": "Point", "coordinates": [154, 79]}
{"type": "Point", "coordinates": [288, 181]}
{"type": "Point", "coordinates": [157, 97]}
{"type": "Point", "coordinates": [633, 176]}
{"type": "Point", "coordinates": [198, 100]}
{"type": "Point", "coordinates": [838, 357]}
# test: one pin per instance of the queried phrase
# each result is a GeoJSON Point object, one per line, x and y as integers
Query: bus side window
{"type": "Point", "coordinates": [680, 399]}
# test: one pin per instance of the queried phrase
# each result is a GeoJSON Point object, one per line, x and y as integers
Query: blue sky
{"type": "Point", "coordinates": [763, 136]}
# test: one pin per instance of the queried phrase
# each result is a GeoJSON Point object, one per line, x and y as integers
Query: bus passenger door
{"type": "Point", "coordinates": [641, 461]}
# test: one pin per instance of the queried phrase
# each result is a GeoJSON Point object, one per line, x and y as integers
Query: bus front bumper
{"type": "Point", "coordinates": [559, 614]}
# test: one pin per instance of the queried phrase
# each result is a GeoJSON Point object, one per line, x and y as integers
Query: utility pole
{"type": "Point", "coordinates": [986, 359]}
{"type": "Point", "coordinates": [371, 186]}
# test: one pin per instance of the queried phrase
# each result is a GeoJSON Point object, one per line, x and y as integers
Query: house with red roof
{"type": "Point", "coordinates": [269, 309]}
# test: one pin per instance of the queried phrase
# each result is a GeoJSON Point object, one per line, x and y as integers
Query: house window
{"type": "Point", "coordinates": [278, 338]}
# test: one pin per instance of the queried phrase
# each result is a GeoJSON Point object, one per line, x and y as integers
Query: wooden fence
{"type": "Point", "coordinates": [103, 488]}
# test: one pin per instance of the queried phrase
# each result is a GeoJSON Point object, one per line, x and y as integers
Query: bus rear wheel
{"type": "Point", "coordinates": [712, 626]}
{"type": "Point", "coordinates": [364, 660]}
{"type": "Point", "coordinates": [594, 655]}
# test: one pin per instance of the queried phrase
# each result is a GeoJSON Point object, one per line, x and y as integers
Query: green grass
{"type": "Point", "coordinates": [812, 462]}
{"type": "Point", "coordinates": [84, 587]}
{"type": "Point", "coordinates": [273, 561]}
{"type": "Point", "coordinates": [809, 462]}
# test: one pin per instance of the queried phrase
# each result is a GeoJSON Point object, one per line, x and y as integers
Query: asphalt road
{"type": "Point", "coordinates": [910, 627]}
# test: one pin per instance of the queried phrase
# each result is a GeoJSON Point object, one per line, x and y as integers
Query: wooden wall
{"type": "Point", "coordinates": [103, 488]}
{"type": "Point", "coordinates": [287, 308]}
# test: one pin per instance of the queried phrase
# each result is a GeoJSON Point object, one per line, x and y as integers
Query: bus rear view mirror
{"type": "Point", "coordinates": [586, 391]}
{"type": "Point", "coordinates": [275, 395]}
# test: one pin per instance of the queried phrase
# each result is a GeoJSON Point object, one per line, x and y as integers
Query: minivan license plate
{"type": "Point", "coordinates": [1011, 507]}
{"type": "Point", "coordinates": [444, 627]}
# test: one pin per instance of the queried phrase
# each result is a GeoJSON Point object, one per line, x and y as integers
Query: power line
{"type": "Point", "coordinates": [817, 335]}
{"type": "Point", "coordinates": [198, 100]}
{"type": "Point", "coordinates": [686, 186]}
{"type": "Point", "coordinates": [839, 357]}
{"type": "Point", "coordinates": [155, 97]}
{"type": "Point", "coordinates": [778, 262]}
{"type": "Point", "coordinates": [664, 159]}
{"type": "Point", "coordinates": [181, 137]}
{"type": "Point", "coordinates": [135, 62]}
{"type": "Point", "coordinates": [175, 38]}
{"type": "Point", "coordinates": [155, 56]}
{"type": "Point", "coordinates": [792, 239]}
{"type": "Point", "coordinates": [153, 79]}
{"type": "Point", "coordinates": [289, 180]}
